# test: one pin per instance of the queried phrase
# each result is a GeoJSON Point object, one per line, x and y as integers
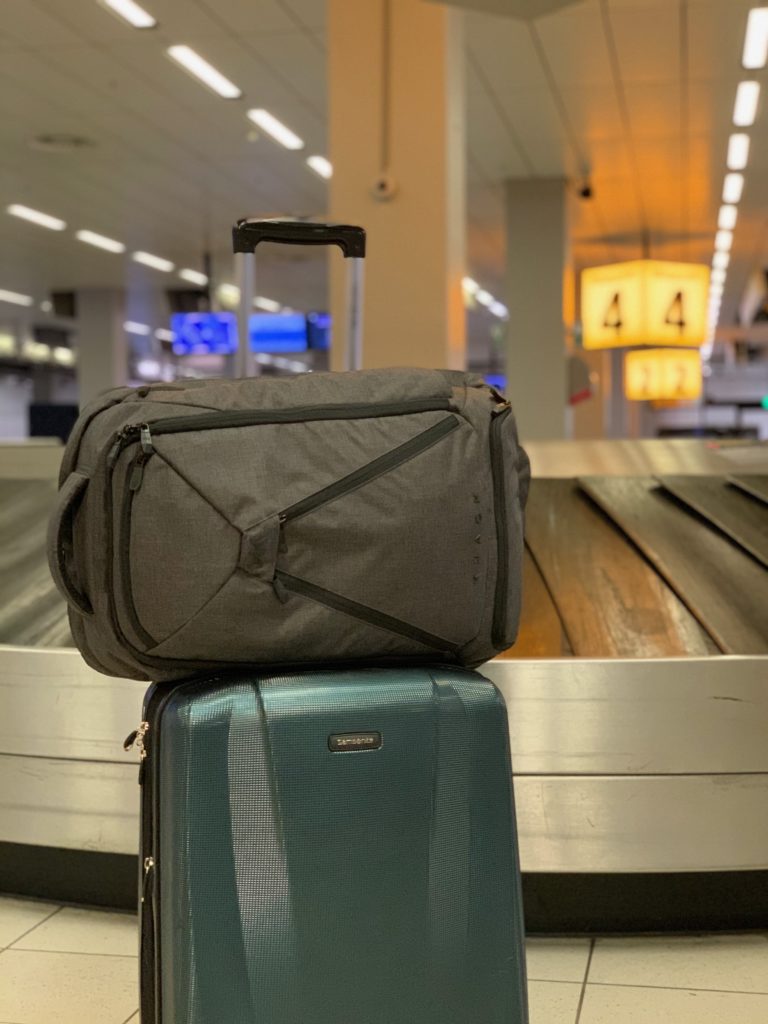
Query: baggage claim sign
{"type": "Point", "coordinates": [649, 302]}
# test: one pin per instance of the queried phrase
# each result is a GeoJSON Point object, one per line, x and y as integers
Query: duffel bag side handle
{"type": "Point", "coordinates": [60, 539]}
{"type": "Point", "coordinates": [249, 232]}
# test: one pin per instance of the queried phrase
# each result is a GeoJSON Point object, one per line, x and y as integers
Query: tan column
{"type": "Point", "coordinates": [538, 274]}
{"type": "Point", "coordinates": [396, 115]}
{"type": "Point", "coordinates": [102, 361]}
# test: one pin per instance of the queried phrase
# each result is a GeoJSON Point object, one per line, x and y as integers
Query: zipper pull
{"type": "Point", "coordinates": [149, 864]}
{"type": "Point", "coordinates": [145, 437]}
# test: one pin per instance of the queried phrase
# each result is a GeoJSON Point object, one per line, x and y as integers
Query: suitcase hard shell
{"type": "Point", "coordinates": [328, 847]}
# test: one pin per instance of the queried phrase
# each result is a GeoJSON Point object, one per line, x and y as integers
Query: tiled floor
{"type": "Point", "coordinates": [66, 966]}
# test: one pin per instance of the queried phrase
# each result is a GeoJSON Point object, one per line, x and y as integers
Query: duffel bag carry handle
{"type": "Point", "coordinates": [249, 232]}
{"type": "Point", "coordinates": [60, 539]}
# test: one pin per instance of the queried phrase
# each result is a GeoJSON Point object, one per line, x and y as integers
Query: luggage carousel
{"type": "Point", "coordinates": [638, 704]}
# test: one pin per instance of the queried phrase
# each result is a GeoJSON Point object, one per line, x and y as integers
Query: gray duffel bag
{"type": "Point", "coordinates": [373, 516]}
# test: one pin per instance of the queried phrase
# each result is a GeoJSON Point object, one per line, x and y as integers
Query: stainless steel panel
{"type": "Point", "coordinates": [643, 824]}
{"type": "Point", "coordinates": [53, 705]}
{"type": "Point", "coordinates": [682, 716]}
{"type": "Point", "coordinates": [72, 804]}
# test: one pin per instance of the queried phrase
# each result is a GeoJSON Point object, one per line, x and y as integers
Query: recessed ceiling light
{"type": "Point", "coordinates": [470, 287]}
{"type": "Point", "coordinates": [721, 260]}
{"type": "Point", "coordinates": [156, 262]}
{"type": "Point", "coordinates": [16, 298]}
{"type": "Point", "coordinates": [64, 356]}
{"type": "Point", "coordinates": [129, 11]}
{"type": "Point", "coordinates": [715, 291]}
{"type": "Point", "coordinates": [193, 276]}
{"type": "Point", "coordinates": [726, 217]}
{"type": "Point", "coordinates": [745, 107]}
{"type": "Point", "coordinates": [717, 277]}
{"type": "Point", "coordinates": [499, 309]}
{"type": "Point", "coordinates": [756, 40]}
{"type": "Point", "coordinates": [36, 351]}
{"type": "Point", "coordinates": [483, 297]}
{"type": "Point", "coordinates": [261, 302]}
{"type": "Point", "coordinates": [723, 241]}
{"type": "Point", "coordinates": [733, 186]}
{"type": "Point", "coordinates": [320, 165]}
{"type": "Point", "coordinates": [46, 306]}
{"type": "Point", "coordinates": [204, 72]}
{"type": "Point", "coordinates": [100, 241]}
{"type": "Point", "coordinates": [163, 334]}
{"type": "Point", "coordinates": [44, 220]}
{"type": "Point", "coordinates": [276, 129]}
{"type": "Point", "coordinates": [228, 294]}
{"type": "Point", "coordinates": [132, 327]}
{"type": "Point", "coordinates": [738, 151]}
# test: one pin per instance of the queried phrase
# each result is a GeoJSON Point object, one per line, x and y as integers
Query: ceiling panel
{"type": "Point", "coordinates": [575, 45]}
{"type": "Point", "coordinates": [647, 44]}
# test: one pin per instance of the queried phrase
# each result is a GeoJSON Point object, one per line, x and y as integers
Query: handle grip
{"type": "Point", "coordinates": [60, 540]}
{"type": "Point", "coordinates": [247, 233]}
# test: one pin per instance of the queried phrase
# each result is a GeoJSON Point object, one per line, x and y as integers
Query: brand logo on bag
{"type": "Point", "coordinates": [351, 742]}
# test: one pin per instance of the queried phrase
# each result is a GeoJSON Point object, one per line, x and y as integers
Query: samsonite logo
{"type": "Point", "coordinates": [351, 742]}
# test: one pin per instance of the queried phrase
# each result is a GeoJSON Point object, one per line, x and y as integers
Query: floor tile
{"type": "Point", "coordinates": [68, 988]}
{"type": "Point", "coordinates": [85, 931]}
{"type": "Point", "coordinates": [553, 1002]}
{"type": "Point", "coordinates": [734, 963]}
{"type": "Point", "coordinates": [18, 916]}
{"type": "Point", "coordinates": [557, 959]}
{"type": "Point", "coordinates": [608, 1004]}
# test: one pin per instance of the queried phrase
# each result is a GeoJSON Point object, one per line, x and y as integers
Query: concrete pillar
{"type": "Point", "coordinates": [538, 271]}
{"type": "Point", "coordinates": [102, 348]}
{"type": "Point", "coordinates": [396, 116]}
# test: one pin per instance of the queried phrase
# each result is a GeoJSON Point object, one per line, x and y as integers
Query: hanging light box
{"type": "Point", "coordinates": [662, 374]}
{"type": "Point", "coordinates": [644, 302]}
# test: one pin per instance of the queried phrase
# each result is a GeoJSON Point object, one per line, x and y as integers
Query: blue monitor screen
{"type": "Point", "coordinates": [204, 333]}
{"type": "Point", "coordinates": [319, 331]}
{"type": "Point", "coordinates": [497, 380]}
{"type": "Point", "coordinates": [277, 332]}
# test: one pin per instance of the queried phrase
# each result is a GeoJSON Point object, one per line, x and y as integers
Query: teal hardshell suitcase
{"type": "Point", "coordinates": [330, 847]}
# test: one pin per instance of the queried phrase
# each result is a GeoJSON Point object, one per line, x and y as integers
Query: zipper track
{"type": "Point", "coordinates": [390, 460]}
{"type": "Point", "coordinates": [364, 613]}
{"type": "Point", "coordinates": [501, 596]}
{"type": "Point", "coordinates": [124, 554]}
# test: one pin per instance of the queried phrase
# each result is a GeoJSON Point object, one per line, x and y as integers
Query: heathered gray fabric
{"type": "Point", "coordinates": [187, 567]}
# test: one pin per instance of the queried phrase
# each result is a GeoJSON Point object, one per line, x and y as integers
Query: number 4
{"type": "Point", "coordinates": [675, 315]}
{"type": "Point", "coordinates": [613, 314]}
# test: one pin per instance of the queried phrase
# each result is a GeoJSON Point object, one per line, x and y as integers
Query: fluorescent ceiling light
{"type": "Point", "coordinates": [733, 186]}
{"type": "Point", "coordinates": [46, 306]}
{"type": "Point", "coordinates": [470, 286]}
{"type": "Point", "coordinates": [721, 260]}
{"type": "Point", "coordinates": [148, 368]}
{"type": "Point", "coordinates": [717, 277]}
{"type": "Point", "coordinates": [63, 356]}
{"type": "Point", "coordinates": [499, 309]}
{"type": "Point", "coordinates": [745, 107]}
{"type": "Point", "coordinates": [36, 351]}
{"type": "Point", "coordinates": [738, 151]}
{"type": "Point", "coordinates": [715, 291]}
{"type": "Point", "coordinates": [726, 218]}
{"type": "Point", "coordinates": [276, 129]}
{"type": "Point", "coordinates": [100, 241]}
{"type": "Point", "coordinates": [723, 241]}
{"type": "Point", "coordinates": [483, 297]}
{"type": "Point", "coordinates": [321, 166]}
{"type": "Point", "coordinates": [132, 327]}
{"type": "Point", "coordinates": [204, 72]}
{"type": "Point", "coordinates": [163, 334]}
{"type": "Point", "coordinates": [268, 304]}
{"type": "Point", "coordinates": [16, 298]}
{"type": "Point", "coordinates": [229, 294]}
{"type": "Point", "coordinates": [129, 11]}
{"type": "Point", "coordinates": [44, 220]}
{"type": "Point", "coordinates": [193, 276]}
{"type": "Point", "coordinates": [756, 40]}
{"type": "Point", "coordinates": [156, 262]}
{"type": "Point", "coordinates": [7, 345]}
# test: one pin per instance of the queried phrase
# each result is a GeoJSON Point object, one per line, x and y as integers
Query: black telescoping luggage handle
{"type": "Point", "coordinates": [247, 233]}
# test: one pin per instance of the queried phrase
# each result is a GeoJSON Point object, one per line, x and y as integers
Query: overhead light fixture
{"type": "Point", "coordinates": [723, 241]}
{"type": "Point", "coordinates": [721, 260]}
{"type": "Point", "coordinates": [43, 220]}
{"type": "Point", "coordinates": [470, 286]}
{"type": "Point", "coordinates": [100, 241]}
{"type": "Point", "coordinates": [7, 344]}
{"type": "Point", "coordinates": [194, 277]}
{"type": "Point", "coordinates": [63, 356]}
{"type": "Point", "coordinates": [276, 129]}
{"type": "Point", "coordinates": [46, 306]}
{"type": "Point", "coordinates": [132, 327]}
{"type": "Point", "coordinates": [16, 298]}
{"type": "Point", "coordinates": [738, 151]}
{"type": "Point", "coordinates": [228, 294]}
{"type": "Point", "coordinates": [483, 297]}
{"type": "Point", "coordinates": [129, 11]}
{"type": "Point", "coordinates": [717, 277]}
{"type": "Point", "coordinates": [733, 187]}
{"type": "Point", "coordinates": [320, 165]}
{"type": "Point", "coordinates": [745, 107]}
{"type": "Point", "coordinates": [756, 40]}
{"type": "Point", "coordinates": [156, 262]}
{"type": "Point", "coordinates": [36, 351]}
{"type": "Point", "coordinates": [726, 217]}
{"type": "Point", "coordinates": [204, 72]}
{"type": "Point", "coordinates": [715, 290]}
{"type": "Point", "coordinates": [163, 334]}
{"type": "Point", "coordinates": [499, 309]}
{"type": "Point", "coordinates": [149, 369]}
{"type": "Point", "coordinates": [261, 302]}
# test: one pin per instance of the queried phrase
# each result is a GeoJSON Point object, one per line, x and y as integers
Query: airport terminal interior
{"type": "Point", "coordinates": [567, 198]}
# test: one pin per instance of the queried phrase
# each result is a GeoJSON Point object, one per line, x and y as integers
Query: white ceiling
{"type": "Point", "coordinates": [638, 93]}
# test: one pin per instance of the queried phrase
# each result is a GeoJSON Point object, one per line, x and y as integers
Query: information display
{"type": "Point", "coordinates": [204, 333]}
{"type": "Point", "coordinates": [276, 333]}
{"type": "Point", "coordinates": [662, 375]}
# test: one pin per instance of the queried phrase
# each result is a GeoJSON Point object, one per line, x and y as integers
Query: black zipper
{"type": "Point", "coordinates": [390, 460]}
{"type": "Point", "coordinates": [124, 551]}
{"type": "Point", "coordinates": [364, 613]}
{"type": "Point", "coordinates": [501, 597]}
